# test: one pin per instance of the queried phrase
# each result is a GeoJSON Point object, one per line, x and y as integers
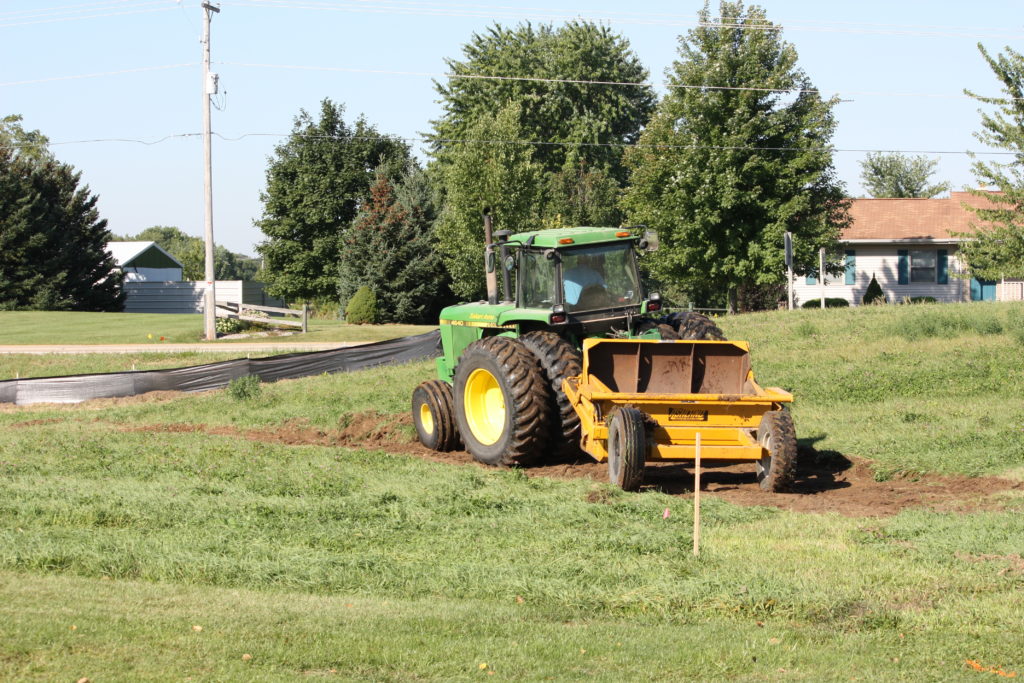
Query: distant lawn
{"type": "Point", "coordinates": [52, 327]}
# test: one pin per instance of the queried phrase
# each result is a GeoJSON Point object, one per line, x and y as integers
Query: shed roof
{"type": "Point", "coordinates": [914, 219]}
{"type": "Point", "coordinates": [141, 255]}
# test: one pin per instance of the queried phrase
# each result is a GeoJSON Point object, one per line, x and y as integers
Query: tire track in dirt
{"type": "Point", "coordinates": [826, 482]}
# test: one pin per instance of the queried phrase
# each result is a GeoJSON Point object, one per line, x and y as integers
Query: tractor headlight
{"type": "Point", "coordinates": [654, 302]}
{"type": "Point", "coordinates": [558, 314]}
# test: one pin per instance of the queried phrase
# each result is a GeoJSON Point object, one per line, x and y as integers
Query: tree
{"type": "Point", "coordinates": [501, 176]}
{"type": "Point", "coordinates": [28, 144]}
{"type": "Point", "coordinates": [996, 249]}
{"type": "Point", "coordinates": [52, 241]}
{"type": "Point", "coordinates": [896, 175]}
{"type": "Point", "coordinates": [581, 126]}
{"type": "Point", "coordinates": [736, 155]}
{"type": "Point", "coordinates": [316, 182]}
{"type": "Point", "coordinates": [390, 249]}
{"type": "Point", "coordinates": [191, 252]}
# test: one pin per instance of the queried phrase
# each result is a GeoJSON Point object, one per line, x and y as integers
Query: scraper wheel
{"type": "Point", "coordinates": [627, 449]}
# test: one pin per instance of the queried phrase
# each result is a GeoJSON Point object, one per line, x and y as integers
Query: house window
{"type": "Point", "coordinates": [922, 266]}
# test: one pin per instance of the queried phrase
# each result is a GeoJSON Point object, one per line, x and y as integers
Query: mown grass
{"type": "Point", "coordinates": [461, 566]}
{"type": "Point", "coordinates": [360, 564]}
{"type": "Point", "coordinates": [45, 327]}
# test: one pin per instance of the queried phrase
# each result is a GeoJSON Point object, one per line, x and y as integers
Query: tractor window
{"type": "Point", "coordinates": [600, 277]}
{"type": "Point", "coordinates": [537, 280]}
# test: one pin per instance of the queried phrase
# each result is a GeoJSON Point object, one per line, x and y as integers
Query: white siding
{"type": "Point", "coordinates": [187, 297]}
{"type": "Point", "coordinates": [883, 263]}
{"type": "Point", "coordinates": [152, 275]}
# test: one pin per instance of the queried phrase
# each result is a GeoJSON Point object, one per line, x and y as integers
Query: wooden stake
{"type": "Point", "coordinates": [696, 501]}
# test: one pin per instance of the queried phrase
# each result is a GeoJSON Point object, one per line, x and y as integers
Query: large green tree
{"type": "Point", "coordinates": [896, 175]}
{"type": "Point", "coordinates": [996, 249]}
{"type": "Point", "coordinates": [737, 154]}
{"type": "Point", "coordinates": [52, 241]}
{"type": "Point", "coordinates": [391, 249]}
{"type": "Point", "coordinates": [501, 176]}
{"type": "Point", "coordinates": [316, 181]}
{"type": "Point", "coordinates": [191, 252]}
{"type": "Point", "coordinates": [577, 127]}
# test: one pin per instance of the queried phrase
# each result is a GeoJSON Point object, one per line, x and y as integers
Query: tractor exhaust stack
{"type": "Point", "coordinates": [490, 275]}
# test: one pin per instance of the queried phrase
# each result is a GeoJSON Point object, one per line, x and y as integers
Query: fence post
{"type": "Point", "coordinates": [305, 317]}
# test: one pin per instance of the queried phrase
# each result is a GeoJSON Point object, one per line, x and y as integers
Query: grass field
{"type": "Point", "coordinates": [44, 327]}
{"type": "Point", "coordinates": [165, 539]}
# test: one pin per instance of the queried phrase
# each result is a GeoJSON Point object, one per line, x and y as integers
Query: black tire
{"type": "Point", "coordinates": [666, 331]}
{"type": "Point", "coordinates": [558, 359]}
{"type": "Point", "coordinates": [777, 470]}
{"type": "Point", "coordinates": [627, 449]}
{"type": "Point", "coordinates": [506, 421]}
{"type": "Point", "coordinates": [694, 326]}
{"type": "Point", "coordinates": [433, 414]}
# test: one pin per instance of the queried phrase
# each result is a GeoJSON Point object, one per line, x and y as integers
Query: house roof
{"type": "Point", "coordinates": [914, 219]}
{"type": "Point", "coordinates": [141, 255]}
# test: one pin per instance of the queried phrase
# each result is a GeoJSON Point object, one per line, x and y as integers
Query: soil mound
{"type": "Point", "coordinates": [826, 481]}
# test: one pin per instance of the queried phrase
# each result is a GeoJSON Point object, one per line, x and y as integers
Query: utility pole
{"type": "Point", "coordinates": [209, 89]}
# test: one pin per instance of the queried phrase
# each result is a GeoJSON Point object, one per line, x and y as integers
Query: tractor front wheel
{"type": "Point", "coordinates": [501, 402]}
{"type": "Point", "coordinates": [433, 414]}
{"type": "Point", "coordinates": [777, 435]}
{"type": "Point", "coordinates": [627, 449]}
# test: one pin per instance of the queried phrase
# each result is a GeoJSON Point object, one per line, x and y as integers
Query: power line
{"type": "Point", "coordinates": [100, 74]}
{"type": "Point", "coordinates": [574, 81]}
{"type": "Point", "coordinates": [456, 76]}
{"type": "Point", "coordinates": [551, 14]}
{"type": "Point", "coordinates": [537, 143]}
{"type": "Point", "coordinates": [57, 19]}
{"type": "Point", "coordinates": [70, 9]}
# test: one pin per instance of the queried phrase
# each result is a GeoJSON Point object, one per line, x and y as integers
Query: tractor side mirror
{"type": "Point", "coordinates": [649, 242]}
{"type": "Point", "coordinates": [490, 260]}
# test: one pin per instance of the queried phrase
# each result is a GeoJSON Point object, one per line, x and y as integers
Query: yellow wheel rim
{"type": "Point", "coordinates": [485, 406]}
{"type": "Point", "coordinates": [426, 418]}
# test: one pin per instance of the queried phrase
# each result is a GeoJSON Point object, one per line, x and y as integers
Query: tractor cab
{"type": "Point", "coordinates": [585, 277]}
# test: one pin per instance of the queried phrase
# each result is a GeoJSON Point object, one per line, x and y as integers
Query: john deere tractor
{"type": "Point", "coordinates": [576, 355]}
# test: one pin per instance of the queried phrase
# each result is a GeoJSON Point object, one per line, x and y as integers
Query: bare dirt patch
{"type": "Point", "coordinates": [826, 481]}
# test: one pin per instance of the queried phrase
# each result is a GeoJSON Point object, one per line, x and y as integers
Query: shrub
{"type": "Point", "coordinates": [830, 302]}
{"type": "Point", "coordinates": [922, 300]}
{"type": "Point", "coordinates": [229, 325]}
{"type": "Point", "coordinates": [362, 307]}
{"type": "Point", "coordinates": [874, 293]}
{"type": "Point", "coordinates": [244, 388]}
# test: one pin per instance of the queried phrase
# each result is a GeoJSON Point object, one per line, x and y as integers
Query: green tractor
{"type": "Point", "coordinates": [573, 306]}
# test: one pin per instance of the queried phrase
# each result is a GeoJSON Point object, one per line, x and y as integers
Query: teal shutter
{"type": "Point", "coordinates": [942, 267]}
{"type": "Point", "coordinates": [903, 266]}
{"type": "Point", "coordinates": [851, 267]}
{"type": "Point", "coordinates": [811, 280]}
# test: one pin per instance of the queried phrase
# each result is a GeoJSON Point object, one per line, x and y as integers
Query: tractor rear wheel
{"type": "Point", "coordinates": [433, 414]}
{"type": "Point", "coordinates": [776, 433]}
{"type": "Point", "coordinates": [501, 402]}
{"type": "Point", "coordinates": [558, 359]}
{"type": "Point", "coordinates": [627, 449]}
{"type": "Point", "coordinates": [694, 326]}
{"type": "Point", "coordinates": [666, 331]}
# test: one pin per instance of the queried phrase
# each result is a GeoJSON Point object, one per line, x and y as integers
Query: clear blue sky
{"type": "Point", "coordinates": [901, 66]}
